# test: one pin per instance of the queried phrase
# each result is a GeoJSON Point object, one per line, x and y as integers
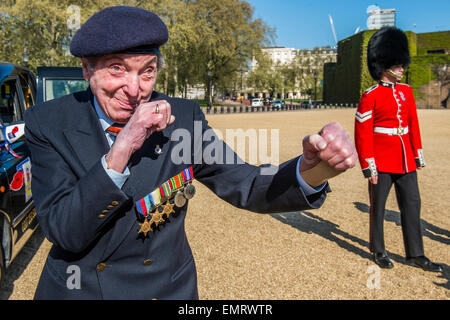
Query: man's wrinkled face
{"type": "Point", "coordinates": [121, 82]}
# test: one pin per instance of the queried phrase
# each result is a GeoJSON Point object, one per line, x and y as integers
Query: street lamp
{"type": "Point", "coordinates": [315, 88]}
{"type": "Point", "coordinates": [25, 57]}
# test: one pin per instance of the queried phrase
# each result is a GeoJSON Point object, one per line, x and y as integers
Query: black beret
{"type": "Point", "coordinates": [119, 29]}
{"type": "Point", "coordinates": [387, 47]}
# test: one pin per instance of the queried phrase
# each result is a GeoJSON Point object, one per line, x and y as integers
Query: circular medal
{"type": "Point", "coordinates": [179, 200]}
{"type": "Point", "coordinates": [189, 191]}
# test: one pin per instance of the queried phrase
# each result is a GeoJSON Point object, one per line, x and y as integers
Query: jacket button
{"type": "Point", "coordinates": [148, 262]}
{"type": "Point", "coordinates": [115, 203]}
{"type": "Point", "coordinates": [105, 211]}
{"type": "Point", "coordinates": [101, 216]}
{"type": "Point", "coordinates": [110, 207]}
{"type": "Point", "coordinates": [101, 266]}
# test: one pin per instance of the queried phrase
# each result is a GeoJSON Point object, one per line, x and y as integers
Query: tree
{"type": "Point", "coordinates": [266, 76]}
{"type": "Point", "coordinates": [305, 66]}
{"type": "Point", "coordinates": [205, 36]}
{"type": "Point", "coordinates": [228, 38]}
{"type": "Point", "coordinates": [289, 75]}
{"type": "Point", "coordinates": [44, 29]}
{"type": "Point", "coordinates": [179, 52]}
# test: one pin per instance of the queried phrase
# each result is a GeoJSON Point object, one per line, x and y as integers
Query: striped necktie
{"type": "Point", "coordinates": [114, 129]}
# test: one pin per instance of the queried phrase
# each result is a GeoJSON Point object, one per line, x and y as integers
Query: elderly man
{"type": "Point", "coordinates": [105, 184]}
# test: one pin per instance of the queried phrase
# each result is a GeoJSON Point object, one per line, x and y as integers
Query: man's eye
{"type": "Point", "coordinates": [149, 73]}
{"type": "Point", "coordinates": [115, 68]}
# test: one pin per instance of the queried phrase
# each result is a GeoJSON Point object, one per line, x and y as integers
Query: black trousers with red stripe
{"type": "Point", "coordinates": [408, 200]}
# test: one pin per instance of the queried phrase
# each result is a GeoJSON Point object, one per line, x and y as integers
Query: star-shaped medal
{"type": "Point", "coordinates": [157, 218]}
{"type": "Point", "coordinates": [168, 209]}
{"type": "Point", "coordinates": [145, 227]}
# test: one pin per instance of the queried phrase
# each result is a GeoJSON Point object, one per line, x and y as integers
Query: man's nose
{"type": "Point", "coordinates": [132, 86]}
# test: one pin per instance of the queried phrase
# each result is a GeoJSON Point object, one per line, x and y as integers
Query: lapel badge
{"type": "Point", "coordinates": [158, 149]}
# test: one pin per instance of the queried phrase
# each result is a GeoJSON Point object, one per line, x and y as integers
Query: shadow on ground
{"type": "Point", "coordinates": [308, 222]}
{"type": "Point", "coordinates": [20, 263]}
{"type": "Point", "coordinates": [429, 230]}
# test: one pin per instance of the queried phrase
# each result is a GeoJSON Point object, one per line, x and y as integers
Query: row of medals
{"type": "Point", "coordinates": [157, 217]}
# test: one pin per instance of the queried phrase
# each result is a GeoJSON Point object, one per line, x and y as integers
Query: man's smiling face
{"type": "Point", "coordinates": [121, 82]}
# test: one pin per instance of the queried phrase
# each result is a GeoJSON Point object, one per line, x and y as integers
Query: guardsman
{"type": "Point", "coordinates": [107, 175]}
{"type": "Point", "coordinates": [387, 138]}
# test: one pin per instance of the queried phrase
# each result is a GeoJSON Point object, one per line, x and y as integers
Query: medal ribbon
{"type": "Point", "coordinates": [155, 198]}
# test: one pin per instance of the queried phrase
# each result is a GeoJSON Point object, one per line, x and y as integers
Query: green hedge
{"type": "Point", "coordinates": [420, 70]}
{"type": "Point", "coordinates": [432, 41]}
{"type": "Point", "coordinates": [345, 80]}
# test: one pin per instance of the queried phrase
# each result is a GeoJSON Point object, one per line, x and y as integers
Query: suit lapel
{"type": "Point", "coordinates": [86, 137]}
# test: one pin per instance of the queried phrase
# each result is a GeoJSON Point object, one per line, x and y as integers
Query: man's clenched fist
{"type": "Point", "coordinates": [333, 147]}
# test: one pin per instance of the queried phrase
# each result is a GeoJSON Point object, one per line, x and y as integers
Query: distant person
{"type": "Point", "coordinates": [389, 146]}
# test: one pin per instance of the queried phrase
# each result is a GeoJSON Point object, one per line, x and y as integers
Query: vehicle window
{"type": "Point", "coordinates": [9, 102]}
{"type": "Point", "coordinates": [56, 88]}
{"type": "Point", "coordinates": [29, 98]}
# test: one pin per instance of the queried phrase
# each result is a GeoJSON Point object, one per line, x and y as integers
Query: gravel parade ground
{"type": "Point", "coordinates": [312, 254]}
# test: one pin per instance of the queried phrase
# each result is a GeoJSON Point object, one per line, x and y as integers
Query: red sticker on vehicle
{"type": "Point", "coordinates": [17, 182]}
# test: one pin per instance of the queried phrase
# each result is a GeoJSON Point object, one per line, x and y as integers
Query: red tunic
{"type": "Point", "coordinates": [387, 134]}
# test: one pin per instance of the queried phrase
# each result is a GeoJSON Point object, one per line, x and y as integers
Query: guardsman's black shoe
{"type": "Point", "coordinates": [424, 263]}
{"type": "Point", "coordinates": [382, 260]}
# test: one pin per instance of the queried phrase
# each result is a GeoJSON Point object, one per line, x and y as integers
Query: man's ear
{"type": "Point", "coordinates": [86, 69]}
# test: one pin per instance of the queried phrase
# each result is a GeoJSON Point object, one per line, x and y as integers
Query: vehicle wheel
{"type": "Point", "coordinates": [2, 255]}
{"type": "Point", "coordinates": [2, 267]}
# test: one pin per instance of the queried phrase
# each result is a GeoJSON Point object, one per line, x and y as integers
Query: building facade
{"type": "Point", "coordinates": [379, 18]}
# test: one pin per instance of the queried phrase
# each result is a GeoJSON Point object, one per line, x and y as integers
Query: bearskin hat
{"type": "Point", "coordinates": [387, 47]}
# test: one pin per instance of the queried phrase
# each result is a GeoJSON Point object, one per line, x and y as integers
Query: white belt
{"type": "Point", "coordinates": [391, 131]}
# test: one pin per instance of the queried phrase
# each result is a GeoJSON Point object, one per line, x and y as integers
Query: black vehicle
{"type": "Point", "coordinates": [19, 89]}
{"type": "Point", "coordinates": [267, 101]}
{"type": "Point", "coordinates": [55, 82]}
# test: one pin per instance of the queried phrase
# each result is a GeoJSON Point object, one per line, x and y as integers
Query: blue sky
{"type": "Point", "coordinates": [304, 24]}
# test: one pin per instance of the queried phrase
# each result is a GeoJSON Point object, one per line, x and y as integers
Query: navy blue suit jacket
{"type": "Point", "coordinates": [71, 190]}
